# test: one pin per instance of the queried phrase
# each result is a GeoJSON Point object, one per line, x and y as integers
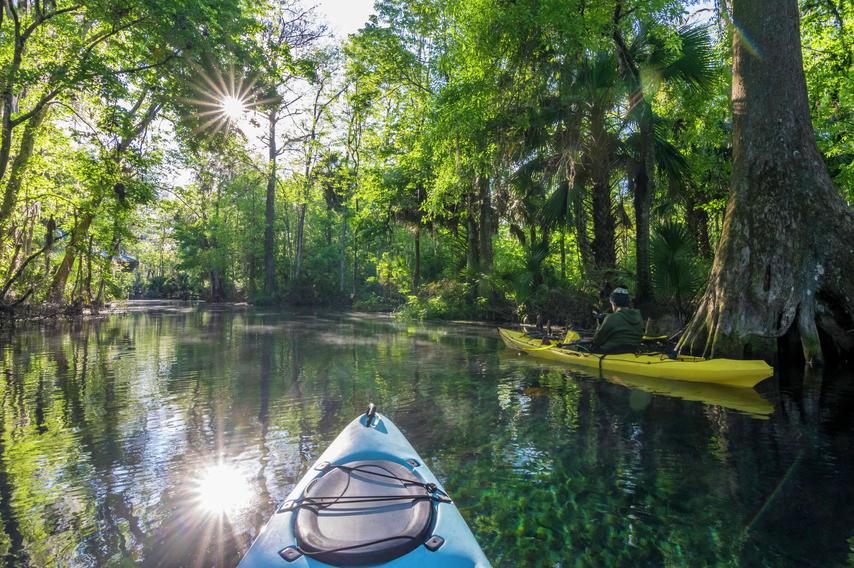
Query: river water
{"type": "Point", "coordinates": [166, 437]}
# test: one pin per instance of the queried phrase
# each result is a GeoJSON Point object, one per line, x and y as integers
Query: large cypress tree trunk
{"type": "Point", "coordinates": [785, 256]}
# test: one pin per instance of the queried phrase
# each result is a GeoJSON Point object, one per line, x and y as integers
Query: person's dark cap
{"type": "Point", "coordinates": [620, 297]}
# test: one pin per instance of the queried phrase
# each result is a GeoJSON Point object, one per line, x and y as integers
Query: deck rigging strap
{"type": "Point", "coordinates": [431, 493]}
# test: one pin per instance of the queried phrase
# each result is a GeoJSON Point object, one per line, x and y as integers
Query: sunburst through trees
{"type": "Point", "coordinates": [223, 98]}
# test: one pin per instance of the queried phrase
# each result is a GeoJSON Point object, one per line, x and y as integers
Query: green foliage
{"type": "Point", "coordinates": [826, 30]}
{"type": "Point", "coordinates": [477, 131]}
{"type": "Point", "coordinates": [444, 300]}
{"type": "Point", "coordinates": [677, 275]}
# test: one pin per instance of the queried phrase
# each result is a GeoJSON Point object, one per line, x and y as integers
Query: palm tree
{"type": "Point", "coordinates": [646, 64]}
{"type": "Point", "coordinates": [583, 148]}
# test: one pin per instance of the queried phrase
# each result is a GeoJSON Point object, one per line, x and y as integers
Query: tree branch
{"type": "Point", "coordinates": [132, 70]}
{"type": "Point", "coordinates": [43, 17]}
{"type": "Point", "coordinates": [49, 96]}
{"type": "Point", "coordinates": [20, 270]}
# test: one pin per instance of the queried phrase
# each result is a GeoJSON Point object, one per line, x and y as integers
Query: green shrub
{"type": "Point", "coordinates": [677, 274]}
{"type": "Point", "coordinates": [374, 302]}
{"type": "Point", "coordinates": [443, 300]}
{"type": "Point", "coordinates": [561, 305]}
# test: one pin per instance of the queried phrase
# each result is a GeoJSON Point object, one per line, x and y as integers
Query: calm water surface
{"type": "Point", "coordinates": [166, 438]}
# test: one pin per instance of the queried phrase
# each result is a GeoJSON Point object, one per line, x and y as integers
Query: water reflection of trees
{"type": "Point", "coordinates": [105, 425]}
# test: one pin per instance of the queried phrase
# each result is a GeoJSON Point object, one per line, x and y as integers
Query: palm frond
{"type": "Point", "coordinates": [671, 162]}
{"type": "Point", "coordinates": [557, 209]}
{"type": "Point", "coordinates": [695, 65]}
{"type": "Point", "coordinates": [676, 277]}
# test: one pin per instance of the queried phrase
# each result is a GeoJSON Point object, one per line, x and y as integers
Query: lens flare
{"type": "Point", "coordinates": [232, 107]}
{"type": "Point", "coordinates": [222, 490]}
{"type": "Point", "coordinates": [223, 99]}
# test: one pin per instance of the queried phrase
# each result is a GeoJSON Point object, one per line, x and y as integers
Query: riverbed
{"type": "Point", "coordinates": [165, 436]}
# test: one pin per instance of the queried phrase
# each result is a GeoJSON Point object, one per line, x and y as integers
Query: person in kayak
{"type": "Point", "coordinates": [620, 331]}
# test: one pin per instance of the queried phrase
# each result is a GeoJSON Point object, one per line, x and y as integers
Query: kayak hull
{"type": "Point", "coordinates": [379, 441]}
{"type": "Point", "coordinates": [730, 372]}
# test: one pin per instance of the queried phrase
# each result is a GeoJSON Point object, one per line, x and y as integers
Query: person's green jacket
{"type": "Point", "coordinates": [620, 332]}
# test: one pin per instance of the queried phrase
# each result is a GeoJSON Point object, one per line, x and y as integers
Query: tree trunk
{"type": "Point", "coordinates": [416, 277]}
{"type": "Point", "coordinates": [19, 166]}
{"type": "Point", "coordinates": [355, 248]}
{"type": "Point", "coordinates": [472, 244]}
{"type": "Point", "coordinates": [562, 255]}
{"type": "Point", "coordinates": [604, 226]}
{"type": "Point", "coordinates": [60, 279]}
{"type": "Point", "coordinates": [89, 252]}
{"type": "Point", "coordinates": [216, 294]}
{"type": "Point", "coordinates": [342, 254]}
{"type": "Point", "coordinates": [579, 217]}
{"type": "Point", "coordinates": [643, 195]}
{"type": "Point", "coordinates": [106, 268]}
{"type": "Point", "coordinates": [785, 258]}
{"type": "Point", "coordinates": [486, 225]}
{"type": "Point", "coordinates": [300, 238]}
{"type": "Point", "coordinates": [697, 222]}
{"type": "Point", "coordinates": [270, 212]}
{"type": "Point", "coordinates": [49, 236]}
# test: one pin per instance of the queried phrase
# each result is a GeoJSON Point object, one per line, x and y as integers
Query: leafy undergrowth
{"type": "Point", "coordinates": [493, 300]}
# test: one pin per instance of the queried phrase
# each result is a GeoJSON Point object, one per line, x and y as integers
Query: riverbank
{"type": "Point", "coordinates": [12, 315]}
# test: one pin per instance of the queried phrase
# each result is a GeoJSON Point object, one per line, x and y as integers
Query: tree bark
{"type": "Point", "coordinates": [486, 225]}
{"type": "Point", "coordinates": [785, 256]}
{"type": "Point", "coordinates": [643, 195]}
{"type": "Point", "coordinates": [416, 277]}
{"type": "Point", "coordinates": [472, 260]}
{"type": "Point", "coordinates": [19, 166]}
{"type": "Point", "coordinates": [342, 254]}
{"type": "Point", "coordinates": [355, 248]}
{"type": "Point", "coordinates": [300, 238]}
{"type": "Point", "coordinates": [697, 221]}
{"type": "Point", "coordinates": [106, 267]}
{"type": "Point", "coordinates": [270, 212]}
{"type": "Point", "coordinates": [579, 215]}
{"type": "Point", "coordinates": [604, 226]}
{"type": "Point", "coordinates": [60, 278]}
{"type": "Point", "coordinates": [562, 255]}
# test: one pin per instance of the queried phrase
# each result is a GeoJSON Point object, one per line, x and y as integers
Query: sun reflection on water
{"type": "Point", "coordinates": [222, 490]}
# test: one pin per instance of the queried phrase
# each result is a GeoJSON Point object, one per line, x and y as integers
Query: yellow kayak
{"type": "Point", "coordinates": [746, 401]}
{"type": "Point", "coordinates": [730, 372]}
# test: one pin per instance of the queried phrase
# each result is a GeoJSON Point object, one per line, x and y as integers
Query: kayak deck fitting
{"type": "Point", "coordinates": [369, 500]}
{"type": "Point", "coordinates": [730, 372]}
